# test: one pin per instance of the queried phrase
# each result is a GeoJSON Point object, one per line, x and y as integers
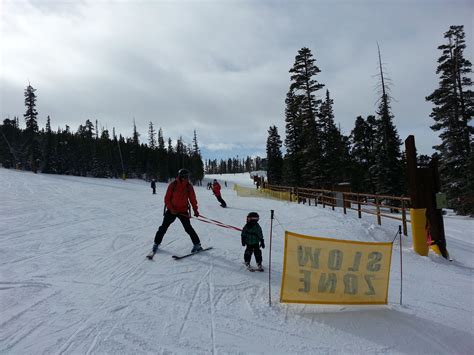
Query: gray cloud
{"type": "Point", "coordinates": [220, 67]}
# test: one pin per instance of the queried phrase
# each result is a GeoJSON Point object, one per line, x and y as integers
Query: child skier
{"type": "Point", "coordinates": [252, 238]}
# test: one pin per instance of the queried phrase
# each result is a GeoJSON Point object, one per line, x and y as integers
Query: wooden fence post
{"type": "Point", "coordinates": [359, 212]}
{"type": "Point", "coordinates": [379, 220]}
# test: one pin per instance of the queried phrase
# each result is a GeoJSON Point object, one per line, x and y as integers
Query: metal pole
{"type": "Point", "coordinates": [121, 160]}
{"type": "Point", "coordinates": [270, 262]}
{"type": "Point", "coordinates": [401, 264]}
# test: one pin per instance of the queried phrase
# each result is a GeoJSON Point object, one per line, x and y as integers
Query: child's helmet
{"type": "Point", "coordinates": [253, 217]}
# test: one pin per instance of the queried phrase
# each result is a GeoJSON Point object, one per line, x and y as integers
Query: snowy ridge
{"type": "Point", "coordinates": [74, 278]}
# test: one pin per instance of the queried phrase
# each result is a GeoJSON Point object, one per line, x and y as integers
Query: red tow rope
{"type": "Point", "coordinates": [217, 223]}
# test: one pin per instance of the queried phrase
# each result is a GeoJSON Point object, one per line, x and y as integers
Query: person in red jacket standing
{"type": "Point", "coordinates": [179, 195]}
{"type": "Point", "coordinates": [216, 189]}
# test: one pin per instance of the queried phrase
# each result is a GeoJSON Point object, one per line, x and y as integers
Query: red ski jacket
{"type": "Point", "coordinates": [178, 196]}
{"type": "Point", "coordinates": [216, 188]}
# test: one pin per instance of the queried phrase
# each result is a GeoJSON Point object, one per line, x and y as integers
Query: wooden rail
{"type": "Point", "coordinates": [362, 203]}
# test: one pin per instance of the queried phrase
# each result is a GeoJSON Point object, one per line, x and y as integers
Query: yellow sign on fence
{"type": "Point", "coordinates": [266, 193]}
{"type": "Point", "coordinates": [332, 271]}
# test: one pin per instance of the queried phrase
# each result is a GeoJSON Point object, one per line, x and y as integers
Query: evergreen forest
{"type": "Point", "coordinates": [313, 152]}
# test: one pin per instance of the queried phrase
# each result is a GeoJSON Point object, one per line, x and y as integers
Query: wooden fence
{"type": "Point", "coordinates": [393, 207]}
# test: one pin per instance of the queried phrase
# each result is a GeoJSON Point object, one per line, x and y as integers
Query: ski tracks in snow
{"type": "Point", "coordinates": [92, 324]}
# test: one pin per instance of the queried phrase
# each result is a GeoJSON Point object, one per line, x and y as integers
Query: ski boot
{"type": "Point", "coordinates": [152, 252]}
{"type": "Point", "coordinates": [196, 248]}
{"type": "Point", "coordinates": [259, 267]}
{"type": "Point", "coordinates": [247, 265]}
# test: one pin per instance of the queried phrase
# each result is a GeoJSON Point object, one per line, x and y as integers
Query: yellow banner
{"type": "Point", "coordinates": [332, 271]}
{"type": "Point", "coordinates": [253, 192]}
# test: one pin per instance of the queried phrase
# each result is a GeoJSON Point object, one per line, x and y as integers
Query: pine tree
{"type": "Point", "coordinates": [151, 136]}
{"type": "Point", "coordinates": [9, 139]}
{"type": "Point", "coordinates": [332, 144]}
{"type": "Point", "coordinates": [31, 113]}
{"type": "Point", "coordinates": [305, 86]}
{"type": "Point", "coordinates": [388, 169]}
{"type": "Point", "coordinates": [363, 153]}
{"type": "Point", "coordinates": [31, 144]}
{"type": "Point", "coordinates": [197, 166]}
{"type": "Point", "coordinates": [292, 171]}
{"type": "Point", "coordinates": [453, 111]}
{"type": "Point", "coordinates": [173, 165]}
{"type": "Point", "coordinates": [132, 149]}
{"type": "Point", "coordinates": [136, 135]}
{"type": "Point", "coordinates": [274, 157]}
{"type": "Point", "coordinates": [162, 158]}
{"type": "Point", "coordinates": [49, 156]}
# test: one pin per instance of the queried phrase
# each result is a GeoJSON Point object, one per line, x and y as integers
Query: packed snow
{"type": "Point", "coordinates": [74, 278]}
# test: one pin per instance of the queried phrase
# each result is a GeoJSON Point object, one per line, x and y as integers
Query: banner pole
{"type": "Point", "coordinates": [270, 261]}
{"type": "Point", "coordinates": [401, 264]}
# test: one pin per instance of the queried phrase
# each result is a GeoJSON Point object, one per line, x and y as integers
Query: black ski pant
{"type": "Point", "coordinates": [221, 200]}
{"type": "Point", "coordinates": [255, 250]}
{"type": "Point", "coordinates": [170, 218]}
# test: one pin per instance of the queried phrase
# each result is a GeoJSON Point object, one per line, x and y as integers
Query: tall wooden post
{"type": "Point", "coordinates": [423, 185]}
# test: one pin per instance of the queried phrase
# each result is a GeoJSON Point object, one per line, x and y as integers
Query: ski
{"type": "Point", "coordinates": [150, 256]}
{"type": "Point", "coordinates": [178, 257]}
{"type": "Point", "coordinates": [251, 269]}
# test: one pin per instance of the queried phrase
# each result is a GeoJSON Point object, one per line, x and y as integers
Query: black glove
{"type": "Point", "coordinates": [262, 244]}
{"type": "Point", "coordinates": [243, 242]}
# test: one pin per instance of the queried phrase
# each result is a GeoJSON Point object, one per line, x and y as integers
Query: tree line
{"type": "Point", "coordinates": [317, 154]}
{"type": "Point", "coordinates": [370, 158]}
{"type": "Point", "coordinates": [235, 165]}
{"type": "Point", "coordinates": [95, 152]}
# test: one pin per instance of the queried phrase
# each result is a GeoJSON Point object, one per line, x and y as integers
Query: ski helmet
{"type": "Point", "coordinates": [183, 173]}
{"type": "Point", "coordinates": [253, 217]}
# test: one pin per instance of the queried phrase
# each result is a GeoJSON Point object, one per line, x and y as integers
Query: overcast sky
{"type": "Point", "coordinates": [220, 67]}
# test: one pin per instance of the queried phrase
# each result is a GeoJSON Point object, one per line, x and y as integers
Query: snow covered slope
{"type": "Point", "coordinates": [74, 278]}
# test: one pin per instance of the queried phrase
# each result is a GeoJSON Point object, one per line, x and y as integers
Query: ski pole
{"type": "Point", "coordinates": [401, 264]}
{"type": "Point", "coordinates": [270, 262]}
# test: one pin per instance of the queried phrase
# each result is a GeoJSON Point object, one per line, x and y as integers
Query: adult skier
{"type": "Point", "coordinates": [216, 190]}
{"type": "Point", "coordinates": [178, 198]}
{"type": "Point", "coordinates": [153, 186]}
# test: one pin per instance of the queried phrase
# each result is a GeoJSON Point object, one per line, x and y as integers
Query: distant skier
{"type": "Point", "coordinates": [179, 195]}
{"type": "Point", "coordinates": [153, 186]}
{"type": "Point", "coordinates": [252, 239]}
{"type": "Point", "coordinates": [216, 189]}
